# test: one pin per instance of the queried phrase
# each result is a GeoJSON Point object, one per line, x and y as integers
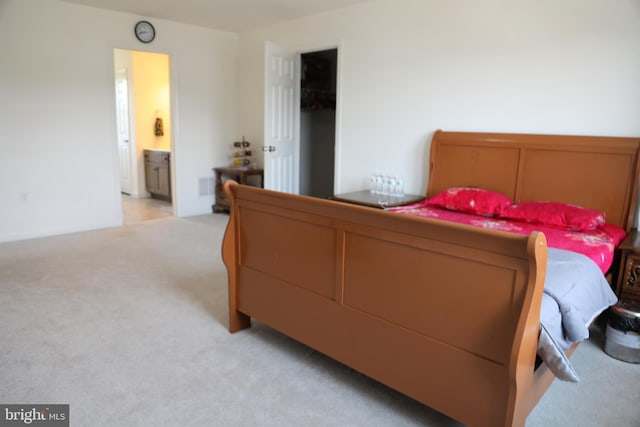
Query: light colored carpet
{"type": "Point", "coordinates": [128, 326]}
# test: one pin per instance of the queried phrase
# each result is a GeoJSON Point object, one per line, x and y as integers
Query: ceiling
{"type": "Point", "coordinates": [230, 15]}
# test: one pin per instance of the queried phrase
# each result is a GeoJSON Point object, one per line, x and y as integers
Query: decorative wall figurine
{"type": "Point", "coordinates": [159, 127]}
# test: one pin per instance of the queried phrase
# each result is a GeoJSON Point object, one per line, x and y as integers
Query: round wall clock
{"type": "Point", "coordinates": [145, 31]}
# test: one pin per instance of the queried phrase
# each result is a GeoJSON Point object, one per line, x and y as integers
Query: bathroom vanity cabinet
{"type": "Point", "coordinates": [157, 173]}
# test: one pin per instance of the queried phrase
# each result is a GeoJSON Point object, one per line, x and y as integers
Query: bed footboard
{"type": "Point", "coordinates": [444, 313]}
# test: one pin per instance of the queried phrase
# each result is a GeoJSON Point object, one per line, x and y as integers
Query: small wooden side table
{"type": "Point", "coordinates": [628, 283]}
{"type": "Point", "coordinates": [240, 175]}
{"type": "Point", "coordinates": [366, 198]}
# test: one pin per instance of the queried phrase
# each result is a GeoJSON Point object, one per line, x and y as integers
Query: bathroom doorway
{"type": "Point", "coordinates": [144, 137]}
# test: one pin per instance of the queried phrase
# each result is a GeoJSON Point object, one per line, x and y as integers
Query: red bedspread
{"type": "Point", "coordinates": [599, 244]}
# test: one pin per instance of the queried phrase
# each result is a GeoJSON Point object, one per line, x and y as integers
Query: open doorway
{"type": "Point", "coordinates": [318, 83]}
{"type": "Point", "coordinates": [143, 117]}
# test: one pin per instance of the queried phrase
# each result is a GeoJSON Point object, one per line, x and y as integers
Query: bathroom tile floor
{"type": "Point", "coordinates": [136, 210]}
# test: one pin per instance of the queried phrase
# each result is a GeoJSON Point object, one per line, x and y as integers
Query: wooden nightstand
{"type": "Point", "coordinates": [365, 198]}
{"type": "Point", "coordinates": [628, 283]}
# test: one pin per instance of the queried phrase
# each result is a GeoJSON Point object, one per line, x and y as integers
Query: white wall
{"type": "Point", "coordinates": [409, 67]}
{"type": "Point", "coordinates": [58, 158]}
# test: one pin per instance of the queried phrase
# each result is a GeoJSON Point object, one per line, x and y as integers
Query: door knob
{"type": "Point", "coordinates": [269, 148]}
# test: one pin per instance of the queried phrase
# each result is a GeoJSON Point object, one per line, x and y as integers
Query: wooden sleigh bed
{"type": "Point", "coordinates": [445, 313]}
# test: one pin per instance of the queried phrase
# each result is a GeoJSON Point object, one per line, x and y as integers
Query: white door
{"type": "Point", "coordinates": [122, 119]}
{"type": "Point", "coordinates": [282, 125]}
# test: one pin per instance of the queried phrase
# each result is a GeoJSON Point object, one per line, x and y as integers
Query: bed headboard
{"type": "Point", "coordinates": [595, 172]}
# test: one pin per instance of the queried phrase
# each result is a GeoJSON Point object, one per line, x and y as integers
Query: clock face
{"type": "Point", "coordinates": [145, 31]}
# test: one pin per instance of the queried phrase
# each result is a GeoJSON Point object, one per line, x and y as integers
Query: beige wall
{"type": "Point", "coordinates": [151, 95]}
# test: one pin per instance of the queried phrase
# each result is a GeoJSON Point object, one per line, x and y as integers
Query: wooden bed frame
{"type": "Point", "coordinates": [445, 313]}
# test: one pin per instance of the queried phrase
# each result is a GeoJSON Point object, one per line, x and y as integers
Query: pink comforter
{"type": "Point", "coordinates": [599, 244]}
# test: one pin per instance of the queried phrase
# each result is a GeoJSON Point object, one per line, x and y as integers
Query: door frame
{"type": "Point", "coordinates": [173, 117]}
{"type": "Point", "coordinates": [316, 181]}
{"type": "Point", "coordinates": [338, 45]}
{"type": "Point", "coordinates": [299, 49]}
